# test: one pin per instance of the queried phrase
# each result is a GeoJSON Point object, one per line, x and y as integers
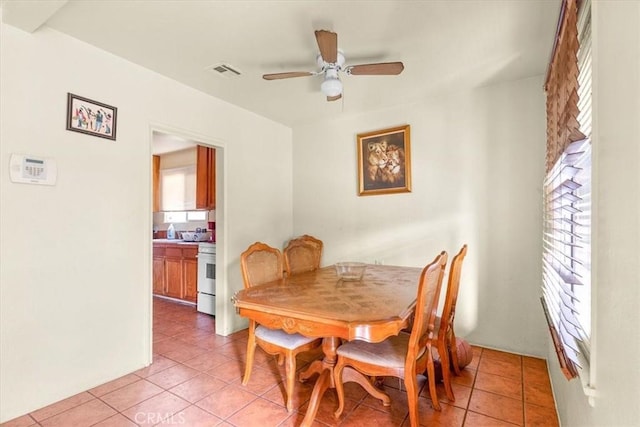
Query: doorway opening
{"type": "Point", "coordinates": [187, 211]}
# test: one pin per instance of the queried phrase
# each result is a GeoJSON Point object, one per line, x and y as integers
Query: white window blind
{"type": "Point", "coordinates": [178, 188]}
{"type": "Point", "coordinates": [583, 217]}
{"type": "Point", "coordinates": [567, 228]}
{"type": "Point", "coordinates": [566, 262]}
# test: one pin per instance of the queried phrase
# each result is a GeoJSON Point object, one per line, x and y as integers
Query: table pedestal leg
{"type": "Point", "coordinates": [324, 381]}
{"type": "Point", "coordinates": [316, 367]}
{"type": "Point", "coordinates": [350, 374]}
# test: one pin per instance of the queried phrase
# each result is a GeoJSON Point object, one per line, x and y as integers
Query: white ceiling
{"type": "Point", "coordinates": [444, 45]}
{"type": "Point", "coordinates": [165, 143]}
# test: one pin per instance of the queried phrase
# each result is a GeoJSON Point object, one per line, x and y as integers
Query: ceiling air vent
{"type": "Point", "coordinates": [225, 70]}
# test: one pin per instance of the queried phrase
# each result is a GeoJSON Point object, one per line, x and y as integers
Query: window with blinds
{"type": "Point", "coordinates": [567, 228]}
{"type": "Point", "coordinates": [566, 261]}
{"type": "Point", "coordinates": [583, 217]}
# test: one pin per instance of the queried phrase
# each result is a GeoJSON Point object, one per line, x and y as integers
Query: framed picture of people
{"type": "Point", "coordinates": [384, 161]}
{"type": "Point", "coordinates": [91, 117]}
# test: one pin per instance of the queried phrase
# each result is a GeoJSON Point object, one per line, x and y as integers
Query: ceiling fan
{"type": "Point", "coordinates": [331, 63]}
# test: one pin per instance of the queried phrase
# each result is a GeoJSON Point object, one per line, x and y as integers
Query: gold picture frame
{"type": "Point", "coordinates": [384, 161]}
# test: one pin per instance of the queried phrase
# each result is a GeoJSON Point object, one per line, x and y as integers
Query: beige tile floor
{"type": "Point", "coordinates": [195, 380]}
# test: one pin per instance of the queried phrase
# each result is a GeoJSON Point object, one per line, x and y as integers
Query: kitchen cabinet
{"type": "Point", "coordinates": [205, 178]}
{"type": "Point", "coordinates": [158, 270]}
{"type": "Point", "coordinates": [175, 270]}
{"type": "Point", "coordinates": [156, 183]}
{"type": "Point", "coordinates": [190, 279]}
{"type": "Point", "coordinates": [173, 273]}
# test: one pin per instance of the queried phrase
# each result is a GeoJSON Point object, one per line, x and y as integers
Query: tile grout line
{"type": "Point", "coordinates": [473, 388]}
{"type": "Point", "coordinates": [503, 396]}
{"type": "Point", "coordinates": [61, 412]}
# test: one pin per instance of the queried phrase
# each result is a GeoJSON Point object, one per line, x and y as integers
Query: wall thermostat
{"type": "Point", "coordinates": [33, 170]}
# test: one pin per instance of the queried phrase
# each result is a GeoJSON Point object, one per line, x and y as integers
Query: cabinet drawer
{"type": "Point", "coordinates": [174, 252]}
{"type": "Point", "coordinates": [190, 252]}
{"type": "Point", "coordinates": [158, 251]}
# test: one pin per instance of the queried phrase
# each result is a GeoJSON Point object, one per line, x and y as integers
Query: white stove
{"type": "Point", "coordinates": [206, 302]}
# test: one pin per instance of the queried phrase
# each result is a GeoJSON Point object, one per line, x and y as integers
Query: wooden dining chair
{"type": "Point", "coordinates": [314, 241]}
{"type": "Point", "coordinates": [261, 263]}
{"type": "Point", "coordinates": [403, 356]}
{"type": "Point", "coordinates": [301, 255]}
{"type": "Point", "coordinates": [446, 341]}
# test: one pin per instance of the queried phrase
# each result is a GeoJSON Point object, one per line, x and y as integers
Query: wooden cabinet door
{"type": "Point", "coordinates": [205, 178]}
{"type": "Point", "coordinates": [156, 183]}
{"type": "Point", "coordinates": [190, 271]}
{"type": "Point", "coordinates": [173, 277]}
{"type": "Point", "coordinates": [211, 179]}
{"type": "Point", "coordinates": [158, 275]}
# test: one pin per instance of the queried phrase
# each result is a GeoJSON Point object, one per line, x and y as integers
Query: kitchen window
{"type": "Point", "coordinates": [184, 216]}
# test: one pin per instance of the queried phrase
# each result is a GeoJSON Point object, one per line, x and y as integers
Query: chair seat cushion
{"type": "Point", "coordinates": [281, 338]}
{"type": "Point", "coordinates": [391, 352]}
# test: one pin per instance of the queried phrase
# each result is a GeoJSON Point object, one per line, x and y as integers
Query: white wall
{"type": "Point", "coordinates": [179, 159]}
{"type": "Point", "coordinates": [616, 227]}
{"type": "Point", "coordinates": [478, 165]}
{"type": "Point", "coordinates": [75, 276]}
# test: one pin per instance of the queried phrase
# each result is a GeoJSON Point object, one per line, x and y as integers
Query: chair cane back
{"type": "Point", "coordinates": [301, 256]}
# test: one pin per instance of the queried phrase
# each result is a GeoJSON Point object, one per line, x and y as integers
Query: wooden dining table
{"type": "Point", "coordinates": [320, 304]}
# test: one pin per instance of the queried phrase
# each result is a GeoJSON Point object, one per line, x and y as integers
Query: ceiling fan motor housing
{"type": "Point", "coordinates": [326, 65]}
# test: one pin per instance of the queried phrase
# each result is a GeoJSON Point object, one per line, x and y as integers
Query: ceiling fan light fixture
{"type": "Point", "coordinates": [331, 86]}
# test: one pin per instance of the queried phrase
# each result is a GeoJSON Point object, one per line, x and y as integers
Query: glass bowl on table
{"type": "Point", "coordinates": [350, 271]}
